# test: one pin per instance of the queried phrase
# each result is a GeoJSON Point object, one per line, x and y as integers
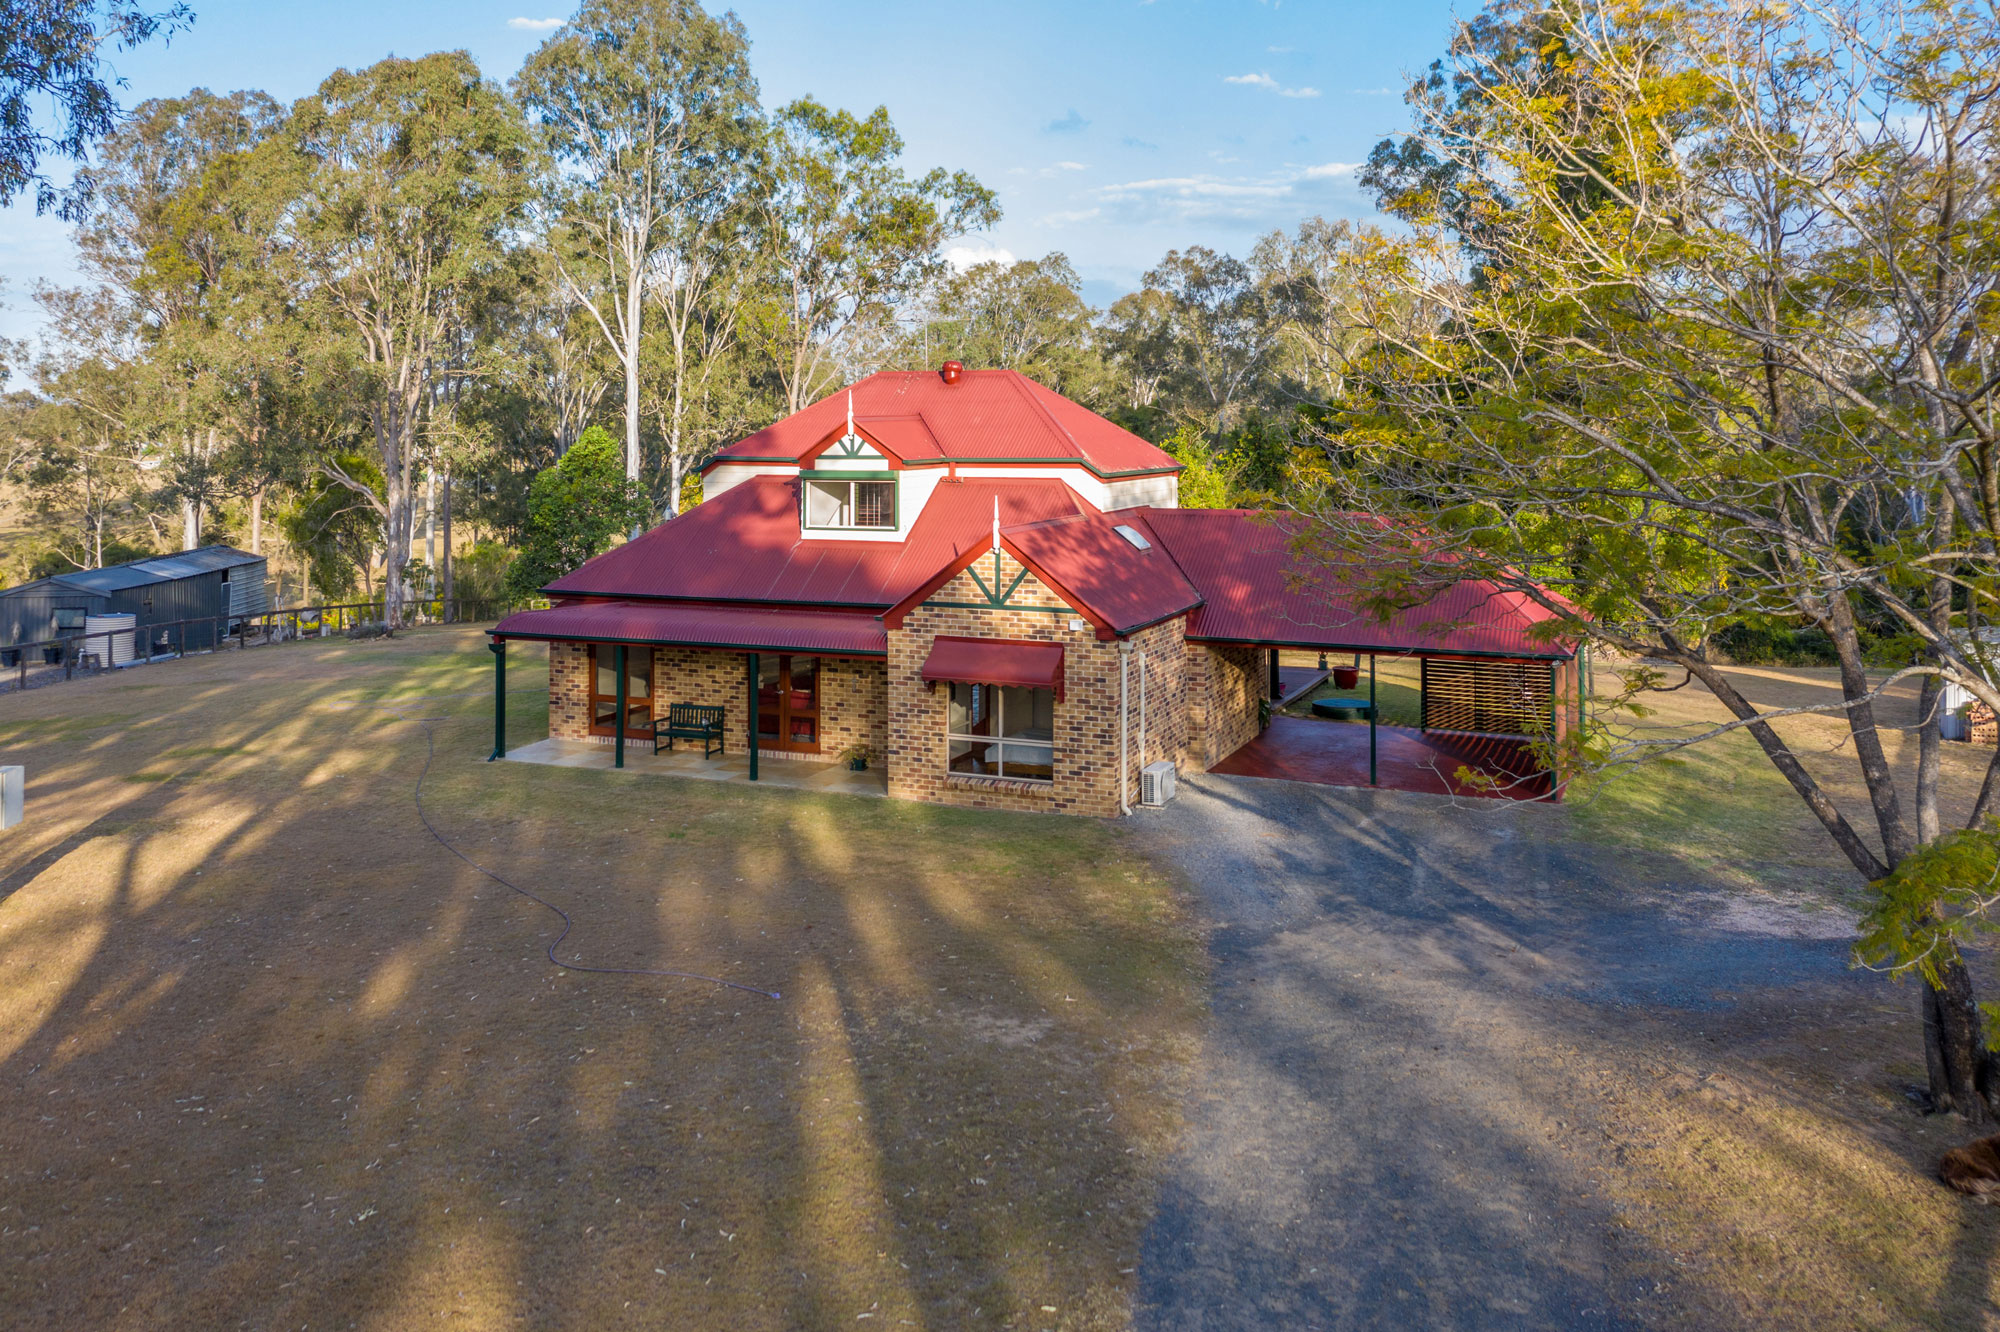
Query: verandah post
{"type": "Point", "coordinates": [1371, 719]}
{"type": "Point", "coordinates": [499, 647]}
{"type": "Point", "coordinates": [751, 659]}
{"type": "Point", "coordinates": [1277, 688]}
{"type": "Point", "coordinates": [618, 759]}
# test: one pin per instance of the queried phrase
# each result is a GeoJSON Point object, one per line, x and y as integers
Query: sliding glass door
{"type": "Point", "coordinates": [604, 689]}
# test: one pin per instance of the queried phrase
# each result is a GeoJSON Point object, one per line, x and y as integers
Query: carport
{"type": "Point", "coordinates": [1493, 687]}
{"type": "Point", "coordinates": [1486, 714]}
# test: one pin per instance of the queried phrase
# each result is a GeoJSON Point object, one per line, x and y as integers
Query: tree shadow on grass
{"type": "Point", "coordinates": [300, 1065]}
{"type": "Point", "coordinates": [1464, 1076]}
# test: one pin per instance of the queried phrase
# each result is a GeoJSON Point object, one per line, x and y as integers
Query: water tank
{"type": "Point", "coordinates": [120, 645]}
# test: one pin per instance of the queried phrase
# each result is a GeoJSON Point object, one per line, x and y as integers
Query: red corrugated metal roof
{"type": "Point", "coordinates": [907, 437]}
{"type": "Point", "coordinates": [742, 627]}
{"type": "Point", "coordinates": [993, 415]}
{"type": "Point", "coordinates": [1256, 589]}
{"type": "Point", "coordinates": [744, 545]}
{"type": "Point", "coordinates": [998, 661]}
{"type": "Point", "coordinates": [1087, 558]}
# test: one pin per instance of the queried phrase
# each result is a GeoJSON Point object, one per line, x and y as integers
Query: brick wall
{"type": "Point", "coordinates": [1201, 703]}
{"type": "Point", "coordinates": [569, 691]}
{"type": "Point", "coordinates": [1086, 719]}
{"type": "Point", "coordinates": [1226, 687]}
{"type": "Point", "coordinates": [853, 705]}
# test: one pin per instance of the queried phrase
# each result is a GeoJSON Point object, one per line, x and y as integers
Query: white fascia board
{"type": "Point", "coordinates": [725, 476]}
{"type": "Point", "coordinates": [1080, 479]}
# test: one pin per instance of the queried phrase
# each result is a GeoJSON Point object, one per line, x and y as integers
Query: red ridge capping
{"type": "Point", "coordinates": [999, 661]}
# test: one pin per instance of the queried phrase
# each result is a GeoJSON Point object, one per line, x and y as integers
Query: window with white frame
{"type": "Point", "coordinates": [850, 504]}
{"type": "Point", "coordinates": [1001, 731]}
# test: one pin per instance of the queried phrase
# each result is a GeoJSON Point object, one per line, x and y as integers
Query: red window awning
{"type": "Point", "coordinates": [997, 661]}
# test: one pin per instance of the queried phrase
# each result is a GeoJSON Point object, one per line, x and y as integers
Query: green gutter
{"type": "Point", "coordinates": [1088, 466]}
{"type": "Point", "coordinates": [718, 647]}
{"type": "Point", "coordinates": [1382, 649]}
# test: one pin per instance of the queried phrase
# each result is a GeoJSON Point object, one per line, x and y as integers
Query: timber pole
{"type": "Point", "coordinates": [499, 647]}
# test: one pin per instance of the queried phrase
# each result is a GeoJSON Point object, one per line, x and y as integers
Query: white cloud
{"type": "Point", "coordinates": [1073, 216]}
{"type": "Point", "coordinates": [1274, 198]}
{"type": "Point", "coordinates": [1269, 84]}
{"type": "Point", "coordinates": [1371, 92]}
{"type": "Point", "coordinates": [1071, 166]}
{"type": "Point", "coordinates": [962, 257]}
{"type": "Point", "coordinates": [535, 25]}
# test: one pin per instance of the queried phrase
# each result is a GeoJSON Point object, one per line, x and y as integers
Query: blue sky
{"type": "Point", "coordinates": [1113, 131]}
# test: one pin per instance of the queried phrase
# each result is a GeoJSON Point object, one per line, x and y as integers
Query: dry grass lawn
{"type": "Point", "coordinates": [1766, 1145]}
{"type": "Point", "coordinates": [1774, 1150]}
{"type": "Point", "coordinates": [270, 1057]}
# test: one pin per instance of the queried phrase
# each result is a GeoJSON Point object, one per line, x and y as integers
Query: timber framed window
{"type": "Point", "coordinates": [1000, 731]}
{"type": "Point", "coordinates": [867, 504]}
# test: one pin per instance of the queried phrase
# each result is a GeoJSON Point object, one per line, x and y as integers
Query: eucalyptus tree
{"type": "Point", "coordinates": [180, 238]}
{"type": "Point", "coordinates": [1312, 281]}
{"type": "Point", "coordinates": [52, 58]}
{"type": "Point", "coordinates": [649, 112]}
{"type": "Point", "coordinates": [847, 236]}
{"type": "Point", "coordinates": [1028, 315]}
{"type": "Point", "coordinates": [410, 179]}
{"type": "Point", "coordinates": [1217, 330]}
{"type": "Point", "coordinates": [1727, 347]}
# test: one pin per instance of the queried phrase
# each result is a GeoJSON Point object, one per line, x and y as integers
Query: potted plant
{"type": "Point", "coordinates": [1346, 677]}
{"type": "Point", "coordinates": [857, 757]}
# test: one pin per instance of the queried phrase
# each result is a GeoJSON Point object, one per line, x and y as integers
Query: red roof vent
{"type": "Point", "coordinates": [952, 370]}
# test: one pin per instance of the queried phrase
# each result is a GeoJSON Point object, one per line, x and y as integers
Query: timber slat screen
{"type": "Point", "coordinates": [1486, 697]}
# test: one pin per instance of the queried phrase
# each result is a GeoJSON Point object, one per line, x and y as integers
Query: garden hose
{"type": "Point", "coordinates": [430, 754]}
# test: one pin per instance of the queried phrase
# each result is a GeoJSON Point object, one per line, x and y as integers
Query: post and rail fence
{"type": "Point", "coordinates": [45, 661]}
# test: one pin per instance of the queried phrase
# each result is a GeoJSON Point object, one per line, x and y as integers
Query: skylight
{"type": "Point", "coordinates": [1131, 534]}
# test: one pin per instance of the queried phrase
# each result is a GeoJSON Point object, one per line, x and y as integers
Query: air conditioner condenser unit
{"type": "Point", "coordinates": [1156, 783]}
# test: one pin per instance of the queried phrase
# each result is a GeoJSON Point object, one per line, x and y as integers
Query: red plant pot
{"type": "Point", "coordinates": [1346, 677]}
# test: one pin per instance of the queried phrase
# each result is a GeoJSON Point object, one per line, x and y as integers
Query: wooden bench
{"type": "Point", "coordinates": [690, 721]}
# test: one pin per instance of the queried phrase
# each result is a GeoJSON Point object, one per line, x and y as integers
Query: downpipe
{"type": "Point", "coordinates": [1124, 723]}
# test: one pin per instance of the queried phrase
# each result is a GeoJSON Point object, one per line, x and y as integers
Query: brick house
{"type": "Point", "coordinates": [990, 591]}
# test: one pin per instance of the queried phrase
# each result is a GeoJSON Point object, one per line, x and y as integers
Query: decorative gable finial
{"type": "Point", "coordinates": [850, 413]}
{"type": "Point", "coordinates": [996, 524]}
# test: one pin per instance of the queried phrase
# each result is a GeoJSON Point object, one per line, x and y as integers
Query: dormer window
{"type": "Point", "coordinates": [845, 502]}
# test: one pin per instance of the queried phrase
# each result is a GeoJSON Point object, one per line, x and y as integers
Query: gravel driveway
{"type": "Point", "coordinates": [1394, 1122]}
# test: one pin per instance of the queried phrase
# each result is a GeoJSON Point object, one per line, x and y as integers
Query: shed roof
{"type": "Point", "coordinates": [745, 545]}
{"type": "Point", "coordinates": [987, 416]}
{"type": "Point", "coordinates": [1256, 588]}
{"type": "Point", "coordinates": [154, 569]}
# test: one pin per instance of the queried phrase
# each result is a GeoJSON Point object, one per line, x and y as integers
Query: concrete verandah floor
{"type": "Point", "coordinates": [1333, 753]}
{"type": "Point", "coordinates": [793, 774]}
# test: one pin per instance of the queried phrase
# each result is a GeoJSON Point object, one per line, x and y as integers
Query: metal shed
{"type": "Point", "coordinates": [212, 587]}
